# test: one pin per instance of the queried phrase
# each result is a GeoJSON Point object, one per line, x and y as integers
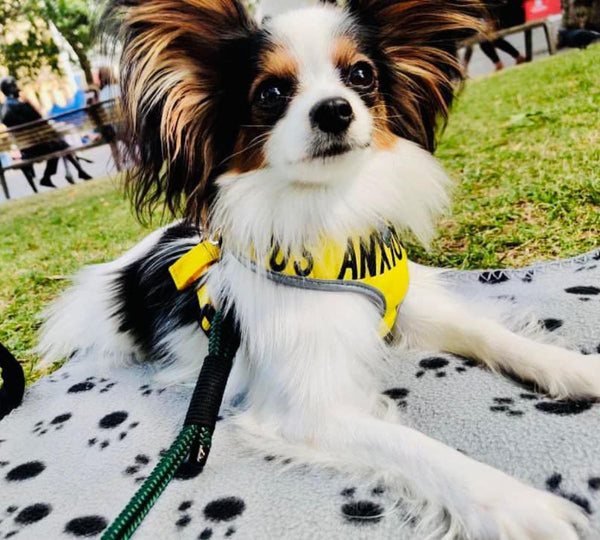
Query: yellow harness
{"type": "Point", "coordinates": [376, 266]}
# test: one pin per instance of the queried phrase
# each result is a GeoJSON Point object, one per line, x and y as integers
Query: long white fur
{"type": "Point", "coordinates": [80, 319]}
{"type": "Point", "coordinates": [311, 361]}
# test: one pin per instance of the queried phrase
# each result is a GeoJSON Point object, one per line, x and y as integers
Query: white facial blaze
{"type": "Point", "coordinates": [293, 139]}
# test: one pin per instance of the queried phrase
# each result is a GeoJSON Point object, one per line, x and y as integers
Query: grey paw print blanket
{"type": "Point", "coordinates": [83, 441]}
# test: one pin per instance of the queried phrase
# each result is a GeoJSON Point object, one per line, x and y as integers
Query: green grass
{"type": "Point", "coordinates": [44, 240]}
{"type": "Point", "coordinates": [524, 147]}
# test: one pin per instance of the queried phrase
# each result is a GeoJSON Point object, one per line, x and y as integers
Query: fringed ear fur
{"type": "Point", "coordinates": [414, 43]}
{"type": "Point", "coordinates": [184, 65]}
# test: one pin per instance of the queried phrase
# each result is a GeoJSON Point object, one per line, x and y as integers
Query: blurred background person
{"type": "Point", "coordinates": [109, 85]}
{"type": "Point", "coordinates": [580, 23]}
{"type": "Point", "coordinates": [503, 14]}
{"type": "Point", "coordinates": [16, 113]}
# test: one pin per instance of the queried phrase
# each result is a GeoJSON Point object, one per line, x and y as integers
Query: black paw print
{"type": "Point", "coordinates": [506, 298]}
{"type": "Point", "coordinates": [184, 517]}
{"type": "Point", "coordinates": [14, 519]}
{"type": "Point", "coordinates": [25, 471]}
{"type": "Point", "coordinates": [59, 376]}
{"type": "Point", "coordinates": [559, 407]}
{"type": "Point", "coordinates": [86, 526]}
{"type": "Point", "coordinates": [584, 292]}
{"type": "Point", "coordinates": [91, 383]}
{"type": "Point", "coordinates": [111, 423]}
{"type": "Point", "coordinates": [565, 407]}
{"type": "Point", "coordinates": [279, 459]}
{"type": "Point", "coordinates": [551, 324]}
{"type": "Point", "coordinates": [362, 511]}
{"type": "Point", "coordinates": [399, 395]}
{"type": "Point", "coordinates": [554, 485]}
{"type": "Point", "coordinates": [466, 364]}
{"type": "Point", "coordinates": [218, 517]}
{"type": "Point", "coordinates": [147, 390]}
{"type": "Point", "coordinates": [56, 424]}
{"type": "Point", "coordinates": [594, 483]}
{"type": "Point", "coordinates": [434, 364]}
{"type": "Point", "coordinates": [141, 461]}
{"type": "Point", "coordinates": [505, 405]}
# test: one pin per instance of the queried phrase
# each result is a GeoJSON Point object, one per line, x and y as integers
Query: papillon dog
{"type": "Point", "coordinates": [301, 147]}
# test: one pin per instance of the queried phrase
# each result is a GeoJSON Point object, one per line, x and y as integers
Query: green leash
{"type": "Point", "coordinates": [195, 439]}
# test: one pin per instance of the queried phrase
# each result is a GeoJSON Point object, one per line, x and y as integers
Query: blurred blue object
{"type": "Point", "coordinates": [77, 102]}
{"type": "Point", "coordinates": [5, 159]}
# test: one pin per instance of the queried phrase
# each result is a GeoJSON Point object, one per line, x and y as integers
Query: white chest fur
{"type": "Point", "coordinates": [304, 351]}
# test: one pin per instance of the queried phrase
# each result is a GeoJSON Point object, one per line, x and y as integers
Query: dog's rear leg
{"type": "Point", "coordinates": [481, 502]}
{"type": "Point", "coordinates": [432, 318]}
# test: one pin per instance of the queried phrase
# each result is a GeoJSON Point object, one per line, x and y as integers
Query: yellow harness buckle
{"type": "Point", "coordinates": [192, 266]}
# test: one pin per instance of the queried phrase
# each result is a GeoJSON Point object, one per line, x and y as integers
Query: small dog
{"type": "Point", "coordinates": [307, 140]}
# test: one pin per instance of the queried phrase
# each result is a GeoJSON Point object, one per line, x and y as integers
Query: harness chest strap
{"type": "Point", "coordinates": [375, 266]}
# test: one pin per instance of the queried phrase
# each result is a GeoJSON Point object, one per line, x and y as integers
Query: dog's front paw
{"type": "Point", "coordinates": [510, 510]}
{"type": "Point", "coordinates": [572, 375]}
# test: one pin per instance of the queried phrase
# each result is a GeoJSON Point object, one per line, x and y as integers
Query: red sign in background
{"type": "Point", "coordinates": [540, 9]}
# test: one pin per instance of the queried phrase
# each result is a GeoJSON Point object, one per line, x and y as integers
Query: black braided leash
{"type": "Point", "coordinates": [195, 439]}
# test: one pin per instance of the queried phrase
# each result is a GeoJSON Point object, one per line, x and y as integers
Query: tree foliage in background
{"type": "Point", "coordinates": [27, 45]}
{"type": "Point", "coordinates": [72, 19]}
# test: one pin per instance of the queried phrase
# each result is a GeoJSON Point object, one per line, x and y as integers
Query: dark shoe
{"type": "Point", "coordinates": [46, 182]}
{"type": "Point", "coordinates": [84, 176]}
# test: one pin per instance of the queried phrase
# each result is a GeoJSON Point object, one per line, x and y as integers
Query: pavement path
{"type": "Point", "coordinates": [102, 165]}
{"type": "Point", "coordinates": [482, 65]}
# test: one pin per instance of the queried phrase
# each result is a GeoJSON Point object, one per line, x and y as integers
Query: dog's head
{"type": "Point", "coordinates": [208, 91]}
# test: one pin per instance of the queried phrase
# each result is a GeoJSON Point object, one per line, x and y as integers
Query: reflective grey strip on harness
{"type": "Point", "coordinates": [315, 284]}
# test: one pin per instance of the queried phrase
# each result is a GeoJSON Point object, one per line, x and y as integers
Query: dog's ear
{"type": "Point", "coordinates": [414, 43]}
{"type": "Point", "coordinates": [180, 61]}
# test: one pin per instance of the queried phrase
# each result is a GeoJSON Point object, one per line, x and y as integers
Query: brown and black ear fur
{"type": "Point", "coordinates": [185, 69]}
{"type": "Point", "coordinates": [414, 43]}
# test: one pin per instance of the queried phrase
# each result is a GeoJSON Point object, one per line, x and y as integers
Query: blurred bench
{"type": "Point", "coordinates": [526, 28]}
{"type": "Point", "coordinates": [96, 122]}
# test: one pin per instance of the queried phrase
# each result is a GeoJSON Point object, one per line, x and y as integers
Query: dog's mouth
{"type": "Point", "coordinates": [335, 149]}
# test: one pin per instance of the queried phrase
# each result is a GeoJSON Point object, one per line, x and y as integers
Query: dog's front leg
{"type": "Point", "coordinates": [313, 361]}
{"type": "Point", "coordinates": [432, 318]}
{"type": "Point", "coordinates": [482, 503]}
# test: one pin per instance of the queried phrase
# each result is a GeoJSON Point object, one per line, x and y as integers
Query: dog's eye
{"type": "Point", "coordinates": [361, 75]}
{"type": "Point", "coordinates": [272, 93]}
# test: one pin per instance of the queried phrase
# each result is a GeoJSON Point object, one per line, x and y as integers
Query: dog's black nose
{"type": "Point", "coordinates": [332, 115]}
